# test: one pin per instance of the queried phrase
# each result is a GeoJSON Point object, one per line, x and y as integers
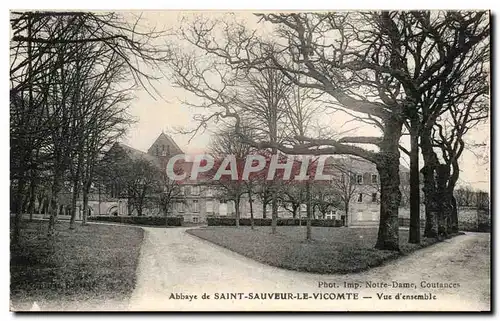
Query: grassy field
{"type": "Point", "coordinates": [332, 250]}
{"type": "Point", "coordinates": [91, 267]}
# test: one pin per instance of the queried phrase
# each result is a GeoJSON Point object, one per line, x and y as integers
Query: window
{"type": "Point", "coordinates": [180, 207]}
{"type": "Point", "coordinates": [195, 219]}
{"type": "Point", "coordinates": [360, 198]}
{"type": "Point", "coordinates": [359, 179]}
{"type": "Point", "coordinates": [187, 190]}
{"type": "Point", "coordinates": [331, 215]}
{"type": "Point", "coordinates": [222, 208]}
{"type": "Point", "coordinates": [196, 207]}
{"type": "Point", "coordinates": [359, 215]}
{"type": "Point", "coordinates": [196, 190]}
{"type": "Point", "coordinates": [374, 197]}
{"type": "Point", "coordinates": [374, 179]}
{"type": "Point", "coordinates": [210, 206]}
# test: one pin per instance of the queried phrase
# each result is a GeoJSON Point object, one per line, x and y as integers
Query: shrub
{"type": "Point", "coordinates": [231, 221]}
{"type": "Point", "coordinates": [405, 222]}
{"type": "Point", "coordinates": [140, 220]}
{"type": "Point", "coordinates": [462, 225]}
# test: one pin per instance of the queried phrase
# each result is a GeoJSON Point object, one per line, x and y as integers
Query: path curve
{"type": "Point", "coordinates": [175, 262]}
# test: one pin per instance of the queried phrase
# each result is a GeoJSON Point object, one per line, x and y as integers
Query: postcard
{"type": "Point", "coordinates": [321, 161]}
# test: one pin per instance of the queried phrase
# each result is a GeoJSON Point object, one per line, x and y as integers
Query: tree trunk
{"type": "Point", "coordinates": [346, 223]}
{"type": "Point", "coordinates": [451, 197]}
{"type": "Point", "coordinates": [130, 208]}
{"type": "Point", "coordinates": [414, 233]}
{"type": "Point", "coordinates": [237, 211]}
{"type": "Point", "coordinates": [31, 204]}
{"type": "Point", "coordinates": [17, 210]}
{"type": "Point", "coordinates": [444, 213]}
{"type": "Point", "coordinates": [429, 189]}
{"type": "Point", "coordinates": [85, 201]}
{"type": "Point", "coordinates": [26, 151]}
{"type": "Point", "coordinates": [250, 200]}
{"type": "Point", "coordinates": [309, 211]}
{"type": "Point", "coordinates": [166, 215]}
{"type": "Point", "coordinates": [74, 198]}
{"type": "Point", "coordinates": [76, 184]}
{"type": "Point", "coordinates": [40, 197]}
{"type": "Point", "coordinates": [24, 206]}
{"type": "Point", "coordinates": [274, 212]}
{"type": "Point", "coordinates": [54, 204]}
{"type": "Point", "coordinates": [264, 209]}
{"type": "Point", "coordinates": [431, 203]}
{"type": "Point", "coordinates": [390, 195]}
{"type": "Point", "coordinates": [44, 206]}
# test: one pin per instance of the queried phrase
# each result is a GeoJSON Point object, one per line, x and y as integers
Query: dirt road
{"type": "Point", "coordinates": [175, 267]}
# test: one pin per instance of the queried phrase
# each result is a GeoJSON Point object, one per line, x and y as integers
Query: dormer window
{"type": "Point", "coordinates": [359, 179]}
{"type": "Point", "coordinates": [374, 179]}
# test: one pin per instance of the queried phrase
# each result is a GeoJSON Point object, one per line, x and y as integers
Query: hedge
{"type": "Point", "coordinates": [404, 221]}
{"type": "Point", "coordinates": [231, 221]}
{"type": "Point", "coordinates": [140, 220]}
{"type": "Point", "coordinates": [462, 226]}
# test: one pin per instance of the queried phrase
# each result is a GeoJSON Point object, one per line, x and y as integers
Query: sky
{"type": "Point", "coordinates": [167, 113]}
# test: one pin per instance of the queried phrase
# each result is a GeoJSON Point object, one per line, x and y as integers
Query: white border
{"type": "Point", "coordinates": [196, 5]}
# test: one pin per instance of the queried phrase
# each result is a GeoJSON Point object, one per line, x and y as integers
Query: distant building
{"type": "Point", "coordinates": [201, 198]}
{"type": "Point", "coordinates": [364, 205]}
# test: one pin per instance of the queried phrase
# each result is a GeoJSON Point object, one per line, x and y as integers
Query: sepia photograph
{"type": "Point", "coordinates": [250, 160]}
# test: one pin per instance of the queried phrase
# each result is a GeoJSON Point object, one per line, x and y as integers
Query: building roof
{"type": "Point", "coordinates": [135, 154]}
{"type": "Point", "coordinates": [356, 164]}
{"type": "Point", "coordinates": [165, 140]}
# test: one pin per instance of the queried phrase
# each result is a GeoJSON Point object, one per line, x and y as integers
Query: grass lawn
{"type": "Point", "coordinates": [91, 267]}
{"type": "Point", "coordinates": [332, 250]}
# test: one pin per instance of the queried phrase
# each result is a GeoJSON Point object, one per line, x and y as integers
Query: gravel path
{"type": "Point", "coordinates": [173, 262]}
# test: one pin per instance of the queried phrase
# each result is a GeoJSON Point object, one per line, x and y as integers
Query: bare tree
{"type": "Point", "coordinates": [227, 143]}
{"type": "Point", "coordinates": [302, 53]}
{"type": "Point", "coordinates": [293, 196]}
{"type": "Point", "coordinates": [325, 197]}
{"type": "Point", "coordinates": [449, 137]}
{"type": "Point", "coordinates": [344, 182]}
{"type": "Point", "coordinates": [463, 81]}
{"type": "Point", "coordinates": [375, 74]}
{"type": "Point", "coordinates": [50, 73]}
{"type": "Point", "coordinates": [169, 192]}
{"type": "Point", "coordinates": [132, 177]}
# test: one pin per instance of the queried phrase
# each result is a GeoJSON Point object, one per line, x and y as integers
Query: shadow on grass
{"type": "Point", "coordinates": [93, 263]}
